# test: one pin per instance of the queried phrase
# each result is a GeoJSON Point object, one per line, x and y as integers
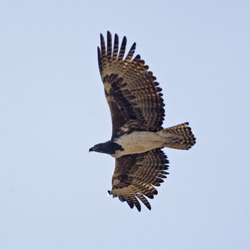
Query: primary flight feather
{"type": "Point", "coordinates": [137, 112]}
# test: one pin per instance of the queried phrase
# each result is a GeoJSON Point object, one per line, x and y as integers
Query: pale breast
{"type": "Point", "coordinates": [138, 142]}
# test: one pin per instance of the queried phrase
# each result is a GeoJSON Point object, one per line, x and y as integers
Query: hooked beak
{"type": "Point", "coordinates": [91, 149]}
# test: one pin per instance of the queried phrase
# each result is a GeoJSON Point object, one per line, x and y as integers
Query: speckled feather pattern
{"type": "Point", "coordinates": [136, 175]}
{"type": "Point", "coordinates": [133, 95]}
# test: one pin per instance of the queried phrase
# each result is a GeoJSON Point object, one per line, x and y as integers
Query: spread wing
{"type": "Point", "coordinates": [133, 95]}
{"type": "Point", "coordinates": [136, 175]}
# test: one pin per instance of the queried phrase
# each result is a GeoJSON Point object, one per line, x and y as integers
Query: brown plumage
{"type": "Point", "coordinates": [137, 112]}
{"type": "Point", "coordinates": [133, 95]}
{"type": "Point", "coordinates": [136, 175]}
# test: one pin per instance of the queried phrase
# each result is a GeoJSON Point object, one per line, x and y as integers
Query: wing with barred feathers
{"type": "Point", "coordinates": [133, 95]}
{"type": "Point", "coordinates": [136, 175]}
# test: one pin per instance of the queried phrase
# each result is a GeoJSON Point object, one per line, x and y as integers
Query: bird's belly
{"type": "Point", "coordinates": [138, 142]}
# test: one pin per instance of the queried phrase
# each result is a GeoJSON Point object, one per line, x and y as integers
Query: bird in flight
{"type": "Point", "coordinates": [137, 112]}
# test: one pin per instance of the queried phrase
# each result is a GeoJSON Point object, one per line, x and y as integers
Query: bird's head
{"type": "Point", "coordinates": [98, 148]}
{"type": "Point", "coordinates": [108, 147]}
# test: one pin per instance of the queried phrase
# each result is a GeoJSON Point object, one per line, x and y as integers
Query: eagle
{"type": "Point", "coordinates": [137, 111]}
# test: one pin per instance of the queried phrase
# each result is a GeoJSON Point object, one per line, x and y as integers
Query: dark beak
{"type": "Point", "coordinates": [91, 149]}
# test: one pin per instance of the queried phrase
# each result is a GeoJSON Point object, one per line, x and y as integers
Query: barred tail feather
{"type": "Point", "coordinates": [178, 137]}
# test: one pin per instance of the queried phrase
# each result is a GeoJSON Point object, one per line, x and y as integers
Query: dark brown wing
{"type": "Point", "coordinates": [136, 175]}
{"type": "Point", "coordinates": [133, 95]}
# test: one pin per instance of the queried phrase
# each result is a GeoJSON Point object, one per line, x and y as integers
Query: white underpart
{"type": "Point", "coordinates": [140, 142]}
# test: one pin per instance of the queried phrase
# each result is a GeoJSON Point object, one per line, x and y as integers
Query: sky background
{"type": "Point", "coordinates": [53, 192]}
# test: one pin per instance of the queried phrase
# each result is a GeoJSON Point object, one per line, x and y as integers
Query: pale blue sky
{"type": "Point", "coordinates": [53, 192]}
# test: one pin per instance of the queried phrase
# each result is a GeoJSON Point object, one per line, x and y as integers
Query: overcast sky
{"type": "Point", "coordinates": [53, 192]}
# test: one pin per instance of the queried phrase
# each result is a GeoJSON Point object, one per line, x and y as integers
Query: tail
{"type": "Point", "coordinates": [178, 137]}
